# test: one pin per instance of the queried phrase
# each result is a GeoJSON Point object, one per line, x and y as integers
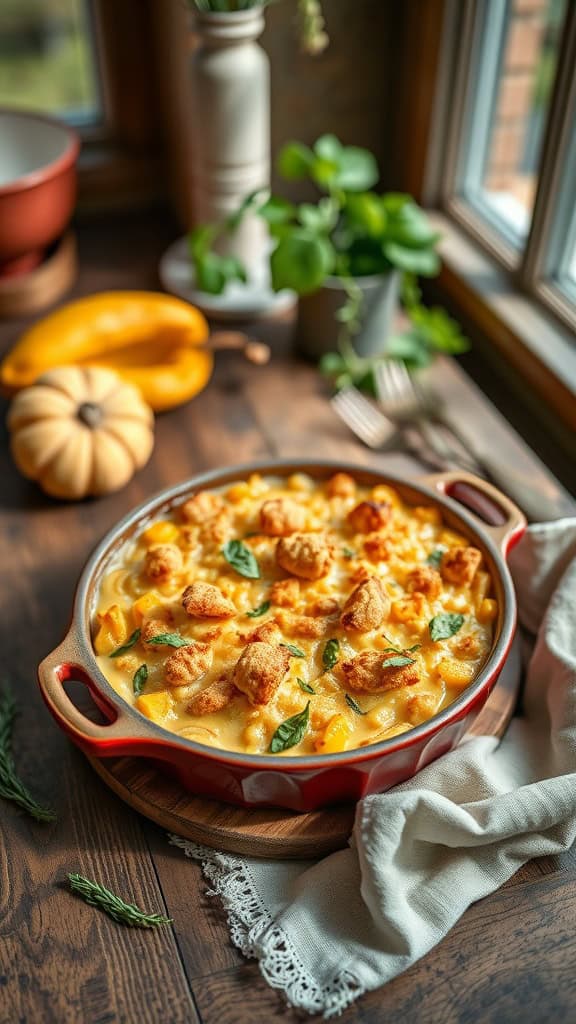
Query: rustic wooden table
{"type": "Point", "coordinates": [510, 958]}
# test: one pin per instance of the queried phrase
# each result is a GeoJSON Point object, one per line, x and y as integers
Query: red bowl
{"type": "Point", "coordinates": [37, 187]}
{"type": "Point", "coordinates": [299, 783]}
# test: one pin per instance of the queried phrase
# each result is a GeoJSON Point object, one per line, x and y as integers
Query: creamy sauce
{"type": "Point", "coordinates": [128, 597]}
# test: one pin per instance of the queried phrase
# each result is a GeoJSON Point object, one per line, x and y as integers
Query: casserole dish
{"type": "Point", "coordinates": [488, 519]}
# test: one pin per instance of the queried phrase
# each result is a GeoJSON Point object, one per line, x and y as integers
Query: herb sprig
{"type": "Point", "coordinates": [123, 913]}
{"type": "Point", "coordinates": [354, 705]}
{"type": "Point", "coordinates": [290, 732]}
{"type": "Point", "coordinates": [170, 640]}
{"type": "Point", "coordinates": [260, 610]}
{"type": "Point", "coordinates": [241, 559]}
{"type": "Point", "coordinates": [305, 686]}
{"type": "Point", "coordinates": [11, 786]}
{"type": "Point", "coordinates": [139, 680]}
{"type": "Point", "coordinates": [445, 625]}
{"type": "Point", "coordinates": [296, 652]}
{"type": "Point", "coordinates": [330, 654]}
{"type": "Point", "coordinates": [131, 641]}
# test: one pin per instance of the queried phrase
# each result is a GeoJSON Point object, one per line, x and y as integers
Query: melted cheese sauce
{"type": "Point", "coordinates": [127, 597]}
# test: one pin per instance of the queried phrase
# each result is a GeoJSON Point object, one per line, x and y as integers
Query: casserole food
{"type": "Point", "coordinates": [309, 779]}
{"type": "Point", "coordinates": [278, 615]}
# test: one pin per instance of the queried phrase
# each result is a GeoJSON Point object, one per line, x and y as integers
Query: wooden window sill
{"type": "Point", "coordinates": [533, 344]}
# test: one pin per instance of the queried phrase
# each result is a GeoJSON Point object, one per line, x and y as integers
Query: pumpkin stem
{"type": "Point", "coordinates": [90, 414]}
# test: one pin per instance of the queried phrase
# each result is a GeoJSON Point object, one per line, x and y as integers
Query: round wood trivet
{"type": "Point", "coordinates": [276, 833]}
{"type": "Point", "coordinates": [29, 293]}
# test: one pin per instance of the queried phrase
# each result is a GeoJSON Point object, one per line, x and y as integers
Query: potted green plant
{"type": "Point", "coordinates": [348, 256]}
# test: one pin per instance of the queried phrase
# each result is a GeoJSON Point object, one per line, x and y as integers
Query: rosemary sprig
{"type": "Point", "coordinates": [123, 913]}
{"type": "Point", "coordinates": [11, 787]}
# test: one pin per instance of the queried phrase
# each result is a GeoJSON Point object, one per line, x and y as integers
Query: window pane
{"type": "Point", "coordinates": [560, 262]}
{"type": "Point", "coordinates": [47, 59]}
{"type": "Point", "coordinates": [510, 93]}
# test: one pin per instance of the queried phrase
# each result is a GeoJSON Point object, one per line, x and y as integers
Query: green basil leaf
{"type": "Point", "coordinates": [355, 707]}
{"type": "Point", "coordinates": [241, 559]}
{"type": "Point", "coordinates": [415, 647]}
{"type": "Point", "coordinates": [139, 679]}
{"type": "Point", "coordinates": [443, 626]}
{"type": "Point", "coordinates": [435, 557]}
{"type": "Point", "coordinates": [391, 650]}
{"type": "Point", "coordinates": [170, 640]}
{"type": "Point", "coordinates": [290, 732]}
{"type": "Point", "coordinates": [133, 639]}
{"type": "Point", "coordinates": [305, 686]}
{"type": "Point", "coordinates": [330, 654]}
{"type": "Point", "coordinates": [301, 261]}
{"type": "Point", "coordinates": [348, 553]}
{"type": "Point", "coordinates": [260, 610]}
{"type": "Point", "coordinates": [425, 262]}
{"type": "Point", "coordinates": [397, 661]}
{"type": "Point", "coordinates": [295, 651]}
{"type": "Point", "coordinates": [294, 160]}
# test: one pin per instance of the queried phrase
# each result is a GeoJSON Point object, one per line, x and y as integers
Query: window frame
{"type": "Point", "coordinates": [530, 267]}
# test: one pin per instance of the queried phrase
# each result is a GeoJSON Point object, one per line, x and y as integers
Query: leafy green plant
{"type": "Point", "coordinates": [351, 232]}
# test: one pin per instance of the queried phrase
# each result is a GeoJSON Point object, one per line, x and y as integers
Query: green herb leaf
{"type": "Point", "coordinates": [170, 640]}
{"type": "Point", "coordinates": [415, 647]}
{"type": "Point", "coordinates": [241, 559]}
{"type": "Point", "coordinates": [133, 639]}
{"type": "Point", "coordinates": [301, 261]}
{"type": "Point", "coordinates": [294, 650]}
{"type": "Point", "coordinates": [397, 661]}
{"type": "Point", "coordinates": [443, 626]}
{"type": "Point", "coordinates": [348, 553]}
{"type": "Point", "coordinates": [290, 732]}
{"type": "Point", "coordinates": [435, 557]}
{"type": "Point", "coordinates": [123, 913]}
{"type": "Point", "coordinates": [294, 160]}
{"type": "Point", "coordinates": [11, 786]}
{"type": "Point", "coordinates": [330, 654]}
{"type": "Point", "coordinates": [139, 679]}
{"type": "Point", "coordinates": [260, 610]}
{"type": "Point", "coordinates": [305, 686]}
{"type": "Point", "coordinates": [355, 707]}
{"type": "Point", "coordinates": [392, 650]}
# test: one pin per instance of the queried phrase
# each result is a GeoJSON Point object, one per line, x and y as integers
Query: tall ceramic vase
{"type": "Point", "coordinates": [231, 126]}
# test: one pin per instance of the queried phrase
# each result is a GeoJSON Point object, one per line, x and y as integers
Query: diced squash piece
{"type": "Point", "coordinates": [455, 672]}
{"type": "Point", "coordinates": [163, 532]}
{"type": "Point", "coordinates": [156, 706]}
{"type": "Point", "coordinates": [451, 539]}
{"type": "Point", "coordinates": [408, 609]}
{"type": "Point", "coordinates": [238, 492]}
{"type": "Point", "coordinates": [334, 737]}
{"type": "Point", "coordinates": [427, 514]}
{"type": "Point", "coordinates": [113, 630]}
{"type": "Point", "coordinates": [480, 587]}
{"type": "Point", "coordinates": [144, 606]}
{"type": "Point", "coordinates": [487, 610]}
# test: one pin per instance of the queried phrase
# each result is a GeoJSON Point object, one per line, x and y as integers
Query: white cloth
{"type": "Point", "coordinates": [420, 854]}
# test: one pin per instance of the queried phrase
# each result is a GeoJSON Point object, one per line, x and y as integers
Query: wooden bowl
{"type": "Point", "coordinates": [37, 187]}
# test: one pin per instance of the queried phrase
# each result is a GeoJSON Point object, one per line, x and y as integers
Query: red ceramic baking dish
{"type": "Point", "coordinates": [300, 783]}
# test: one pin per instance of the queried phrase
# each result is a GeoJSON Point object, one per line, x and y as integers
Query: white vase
{"type": "Point", "coordinates": [317, 328]}
{"type": "Point", "coordinates": [231, 126]}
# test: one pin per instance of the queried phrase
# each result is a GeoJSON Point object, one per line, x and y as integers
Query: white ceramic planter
{"type": "Point", "coordinates": [317, 327]}
{"type": "Point", "coordinates": [231, 125]}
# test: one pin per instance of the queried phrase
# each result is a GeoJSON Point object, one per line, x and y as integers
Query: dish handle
{"type": "Point", "coordinates": [116, 737]}
{"type": "Point", "coordinates": [499, 517]}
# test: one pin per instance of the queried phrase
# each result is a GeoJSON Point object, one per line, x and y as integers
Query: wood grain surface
{"type": "Point", "coordinates": [510, 958]}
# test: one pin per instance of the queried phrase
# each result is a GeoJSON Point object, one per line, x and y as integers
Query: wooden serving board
{"type": "Point", "coordinates": [274, 833]}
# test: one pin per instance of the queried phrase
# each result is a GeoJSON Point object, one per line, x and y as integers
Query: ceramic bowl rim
{"type": "Point", "coordinates": [169, 497]}
{"type": "Point", "coordinates": [46, 171]}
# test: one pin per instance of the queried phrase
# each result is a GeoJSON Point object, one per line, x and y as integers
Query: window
{"type": "Point", "coordinates": [510, 169]}
{"type": "Point", "coordinates": [516, 56]}
{"type": "Point", "coordinates": [47, 59]}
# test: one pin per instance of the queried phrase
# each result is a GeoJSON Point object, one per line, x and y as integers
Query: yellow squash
{"type": "Point", "coordinates": [154, 341]}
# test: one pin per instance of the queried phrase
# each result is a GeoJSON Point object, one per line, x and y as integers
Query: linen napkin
{"type": "Point", "coordinates": [420, 854]}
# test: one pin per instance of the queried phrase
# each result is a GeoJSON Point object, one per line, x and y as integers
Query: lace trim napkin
{"type": "Point", "coordinates": [325, 932]}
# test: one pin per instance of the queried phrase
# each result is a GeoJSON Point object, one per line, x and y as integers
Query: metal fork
{"type": "Point", "coordinates": [404, 403]}
{"type": "Point", "coordinates": [375, 429]}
